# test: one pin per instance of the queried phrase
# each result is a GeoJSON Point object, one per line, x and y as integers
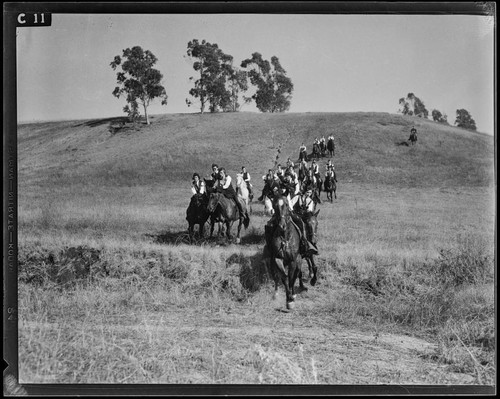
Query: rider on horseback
{"type": "Point", "coordinates": [225, 187]}
{"type": "Point", "coordinates": [330, 173]}
{"type": "Point", "coordinates": [413, 134]}
{"type": "Point", "coordinates": [197, 186]}
{"type": "Point", "coordinates": [315, 169]}
{"type": "Point", "coordinates": [307, 248]}
{"type": "Point", "coordinates": [280, 172]}
{"type": "Point", "coordinates": [268, 179]}
{"type": "Point", "coordinates": [302, 152]}
{"type": "Point", "coordinates": [302, 206]}
{"type": "Point", "coordinates": [246, 179]}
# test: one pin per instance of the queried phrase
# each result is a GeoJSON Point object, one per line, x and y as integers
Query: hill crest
{"type": "Point", "coordinates": [371, 148]}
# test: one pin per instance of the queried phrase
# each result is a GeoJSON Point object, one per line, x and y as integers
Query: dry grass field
{"type": "Point", "coordinates": [111, 292]}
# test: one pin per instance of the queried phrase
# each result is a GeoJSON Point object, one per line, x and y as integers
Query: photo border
{"type": "Point", "coordinates": [10, 227]}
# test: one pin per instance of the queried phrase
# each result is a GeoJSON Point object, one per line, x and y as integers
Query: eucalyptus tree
{"type": "Point", "coordinates": [274, 88]}
{"type": "Point", "coordinates": [138, 81]}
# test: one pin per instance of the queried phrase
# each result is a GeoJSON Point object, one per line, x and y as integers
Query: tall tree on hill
{"type": "Point", "coordinates": [412, 105]}
{"type": "Point", "coordinates": [274, 88]}
{"type": "Point", "coordinates": [437, 116]}
{"type": "Point", "coordinates": [464, 120]}
{"type": "Point", "coordinates": [216, 75]}
{"type": "Point", "coordinates": [138, 81]}
{"type": "Point", "coordinates": [237, 83]}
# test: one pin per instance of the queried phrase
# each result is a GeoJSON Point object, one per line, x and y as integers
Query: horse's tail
{"type": "Point", "coordinates": [246, 220]}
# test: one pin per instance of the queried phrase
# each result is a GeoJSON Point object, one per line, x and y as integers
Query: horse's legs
{"type": "Point", "coordinates": [313, 269]}
{"type": "Point", "coordinates": [239, 230]}
{"type": "Point", "coordinates": [285, 280]}
{"type": "Point", "coordinates": [293, 273]}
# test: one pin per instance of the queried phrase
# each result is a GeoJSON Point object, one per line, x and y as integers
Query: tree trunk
{"type": "Point", "coordinates": [146, 114]}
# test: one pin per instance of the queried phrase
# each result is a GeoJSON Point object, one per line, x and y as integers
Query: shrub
{"type": "Point", "coordinates": [467, 263]}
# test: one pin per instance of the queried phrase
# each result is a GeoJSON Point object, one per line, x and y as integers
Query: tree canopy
{"type": "Point", "coordinates": [274, 88]}
{"type": "Point", "coordinates": [412, 105]}
{"type": "Point", "coordinates": [138, 81]}
{"type": "Point", "coordinates": [464, 120]}
{"type": "Point", "coordinates": [437, 116]}
{"type": "Point", "coordinates": [219, 82]}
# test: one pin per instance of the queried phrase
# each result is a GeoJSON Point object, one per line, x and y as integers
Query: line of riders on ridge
{"type": "Point", "coordinates": [300, 189]}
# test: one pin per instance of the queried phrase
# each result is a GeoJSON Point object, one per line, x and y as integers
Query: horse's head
{"type": "Point", "coordinates": [239, 179]}
{"type": "Point", "coordinates": [311, 224]}
{"type": "Point", "coordinates": [213, 201]}
{"type": "Point", "coordinates": [281, 210]}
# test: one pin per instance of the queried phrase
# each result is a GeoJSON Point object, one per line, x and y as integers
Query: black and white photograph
{"type": "Point", "coordinates": [286, 197]}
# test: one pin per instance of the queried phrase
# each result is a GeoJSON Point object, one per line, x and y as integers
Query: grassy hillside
{"type": "Point", "coordinates": [167, 152]}
{"type": "Point", "coordinates": [405, 293]}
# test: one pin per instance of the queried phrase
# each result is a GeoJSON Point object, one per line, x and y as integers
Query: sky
{"type": "Point", "coordinates": [337, 63]}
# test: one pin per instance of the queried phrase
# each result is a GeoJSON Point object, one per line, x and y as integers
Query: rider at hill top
{"type": "Point", "coordinates": [197, 186]}
{"type": "Point", "coordinates": [224, 186]}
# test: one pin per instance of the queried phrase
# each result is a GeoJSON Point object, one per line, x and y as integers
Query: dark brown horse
{"type": "Point", "coordinates": [330, 146]}
{"type": "Point", "coordinates": [330, 187]}
{"type": "Point", "coordinates": [413, 138]}
{"type": "Point", "coordinates": [282, 246]}
{"type": "Point", "coordinates": [229, 213]}
{"type": "Point", "coordinates": [197, 214]}
{"type": "Point", "coordinates": [316, 151]}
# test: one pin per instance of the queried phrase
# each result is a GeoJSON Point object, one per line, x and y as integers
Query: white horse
{"type": "Point", "coordinates": [242, 190]}
{"type": "Point", "coordinates": [268, 206]}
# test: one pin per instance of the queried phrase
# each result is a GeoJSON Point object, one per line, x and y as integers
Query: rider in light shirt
{"type": "Point", "coordinates": [224, 185]}
{"type": "Point", "coordinates": [197, 186]}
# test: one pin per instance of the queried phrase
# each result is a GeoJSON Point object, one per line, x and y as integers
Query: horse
{"type": "Point", "coordinates": [268, 206]}
{"type": "Point", "coordinates": [316, 151]}
{"type": "Point", "coordinates": [322, 147]}
{"type": "Point", "coordinates": [282, 246]}
{"type": "Point", "coordinates": [330, 146]}
{"type": "Point", "coordinates": [319, 186]}
{"type": "Point", "coordinates": [330, 187]}
{"type": "Point", "coordinates": [242, 190]}
{"type": "Point", "coordinates": [229, 213]}
{"type": "Point", "coordinates": [197, 214]}
{"type": "Point", "coordinates": [311, 226]}
{"type": "Point", "coordinates": [413, 138]}
{"type": "Point", "coordinates": [302, 171]}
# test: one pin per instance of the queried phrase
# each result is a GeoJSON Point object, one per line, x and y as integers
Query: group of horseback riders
{"type": "Point", "coordinates": [320, 147]}
{"type": "Point", "coordinates": [219, 181]}
{"type": "Point", "coordinates": [289, 183]}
